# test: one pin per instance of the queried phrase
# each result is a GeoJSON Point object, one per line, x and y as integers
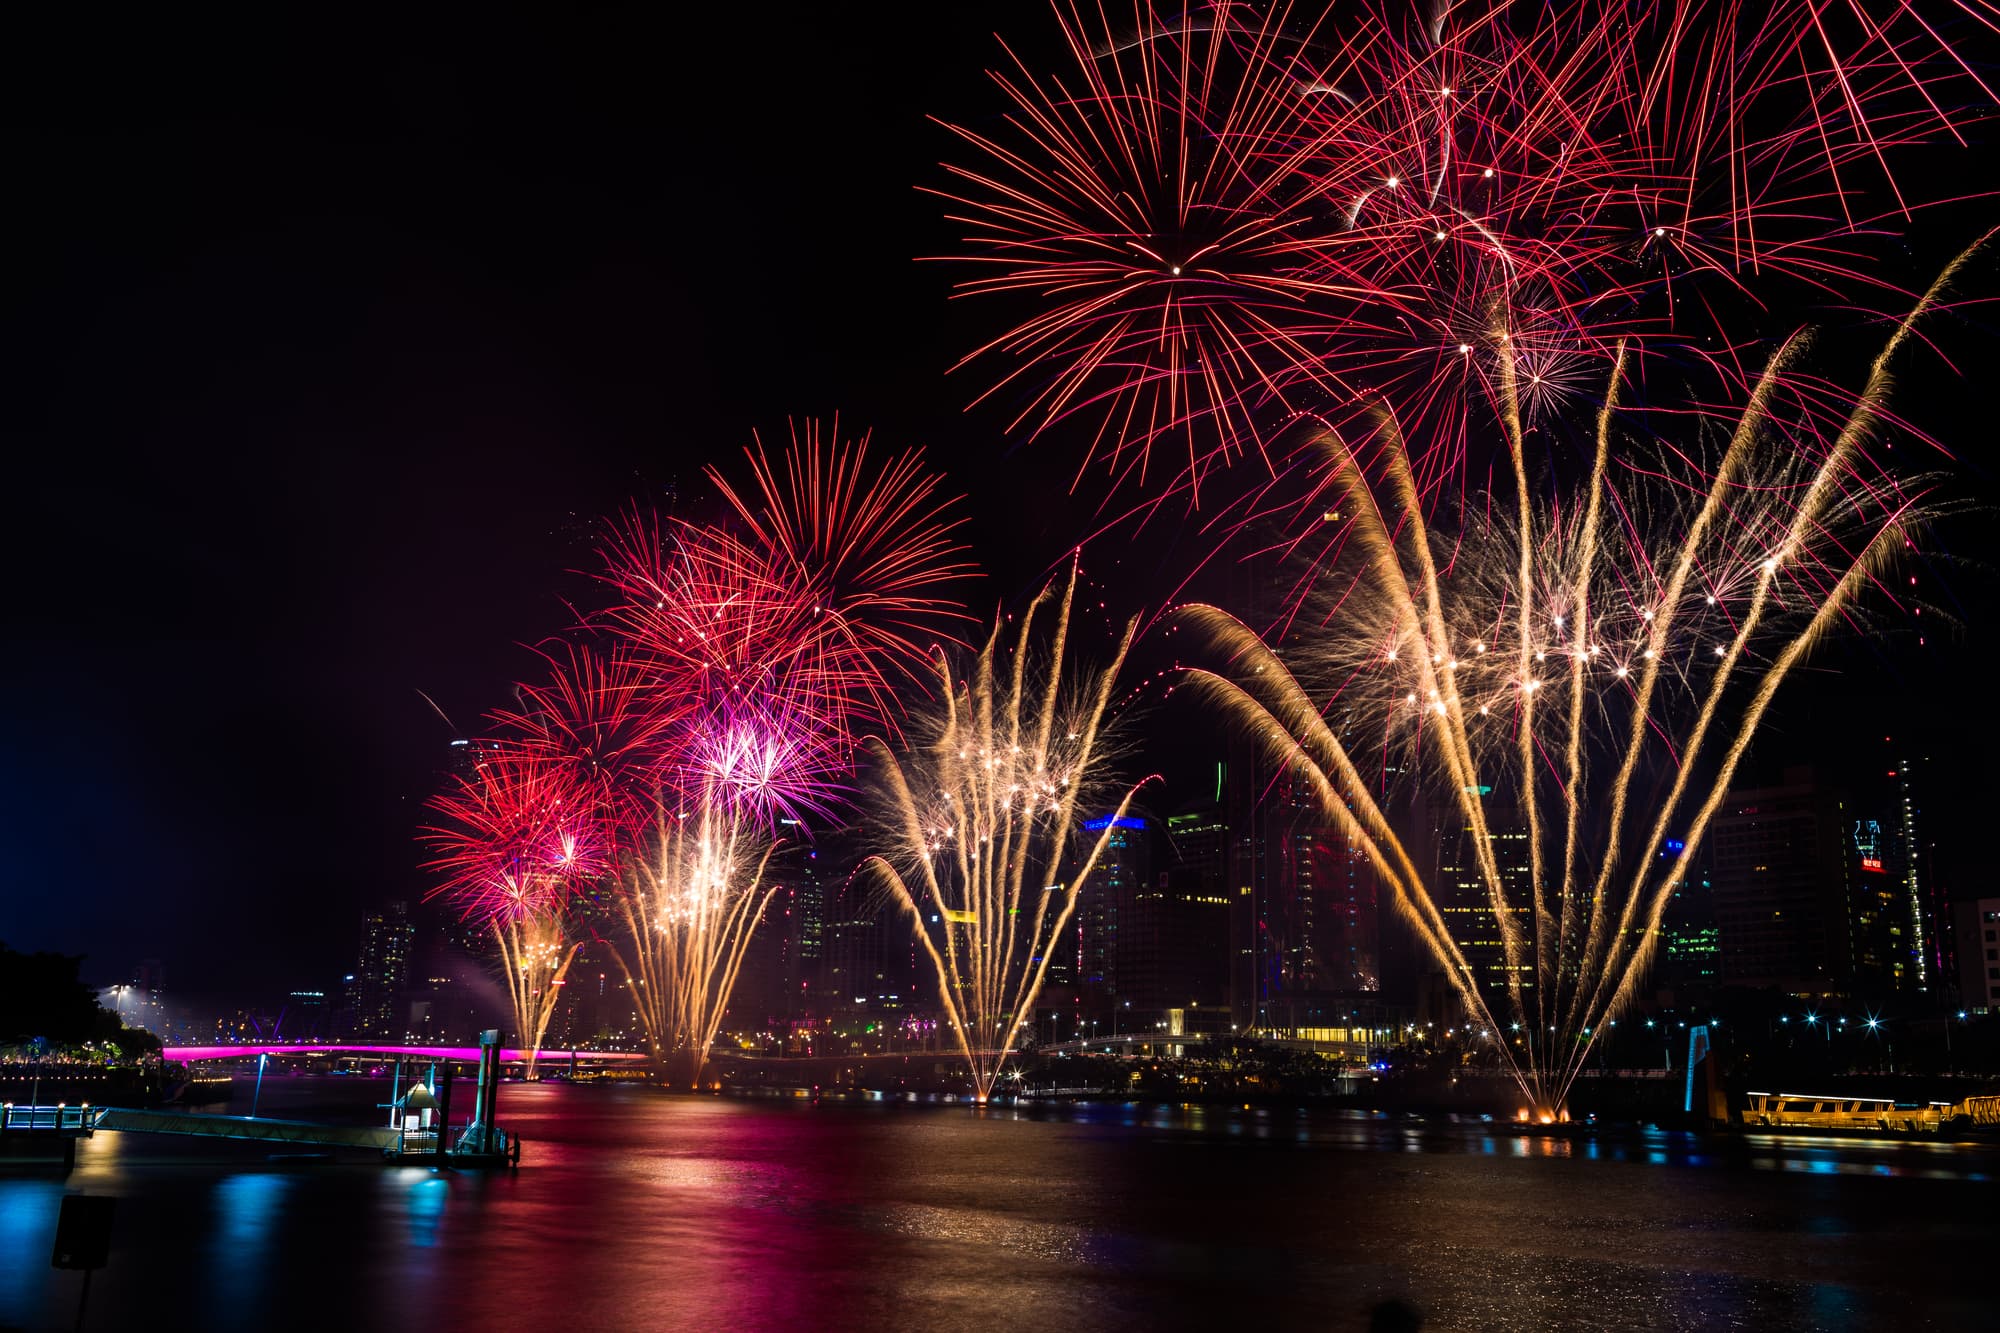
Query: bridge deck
{"type": "Point", "coordinates": [468, 1054]}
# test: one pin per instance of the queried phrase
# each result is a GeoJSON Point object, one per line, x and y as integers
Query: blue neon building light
{"type": "Point", "coordinates": [1122, 821]}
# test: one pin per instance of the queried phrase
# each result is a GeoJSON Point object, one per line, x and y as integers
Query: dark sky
{"type": "Point", "coordinates": [324, 339]}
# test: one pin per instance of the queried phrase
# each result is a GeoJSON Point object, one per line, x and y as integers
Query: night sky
{"type": "Point", "coordinates": [326, 339]}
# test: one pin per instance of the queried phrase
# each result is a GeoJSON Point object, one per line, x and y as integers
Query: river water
{"type": "Point", "coordinates": [636, 1210]}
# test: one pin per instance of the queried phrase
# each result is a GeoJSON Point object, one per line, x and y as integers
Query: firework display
{"type": "Point", "coordinates": [520, 836]}
{"type": "Point", "coordinates": [718, 698]}
{"type": "Point", "coordinates": [984, 812]}
{"type": "Point", "coordinates": [1478, 292]}
{"type": "Point", "coordinates": [1577, 667]}
{"type": "Point", "coordinates": [1212, 222]}
{"type": "Point", "coordinates": [690, 904]}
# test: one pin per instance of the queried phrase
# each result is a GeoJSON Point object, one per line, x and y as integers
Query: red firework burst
{"type": "Point", "coordinates": [1227, 218]}
{"type": "Point", "coordinates": [517, 838]}
{"type": "Point", "coordinates": [869, 548]}
{"type": "Point", "coordinates": [603, 719]}
{"type": "Point", "coordinates": [741, 661]}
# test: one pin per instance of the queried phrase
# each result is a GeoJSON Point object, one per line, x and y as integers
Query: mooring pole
{"type": "Point", "coordinates": [479, 1135]}
{"type": "Point", "coordinates": [444, 1110]}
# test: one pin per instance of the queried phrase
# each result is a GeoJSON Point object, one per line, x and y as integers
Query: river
{"type": "Point", "coordinates": [636, 1210]}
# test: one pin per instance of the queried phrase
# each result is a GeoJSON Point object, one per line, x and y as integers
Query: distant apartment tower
{"type": "Point", "coordinates": [468, 756]}
{"type": "Point", "coordinates": [1878, 915]}
{"type": "Point", "coordinates": [863, 971]}
{"type": "Point", "coordinates": [773, 986]}
{"type": "Point", "coordinates": [1465, 899]}
{"type": "Point", "coordinates": [1274, 904]}
{"type": "Point", "coordinates": [1344, 949]}
{"type": "Point", "coordinates": [1170, 962]}
{"type": "Point", "coordinates": [1978, 930]}
{"type": "Point", "coordinates": [1196, 939]}
{"type": "Point", "coordinates": [1246, 873]}
{"type": "Point", "coordinates": [1782, 857]}
{"type": "Point", "coordinates": [383, 970]}
{"type": "Point", "coordinates": [1122, 874]}
{"type": "Point", "coordinates": [1924, 907]}
{"type": "Point", "coordinates": [1689, 958]}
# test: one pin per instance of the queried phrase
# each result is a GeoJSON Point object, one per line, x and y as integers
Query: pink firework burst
{"type": "Point", "coordinates": [517, 838]}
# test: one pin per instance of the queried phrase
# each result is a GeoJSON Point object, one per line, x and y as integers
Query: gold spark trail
{"type": "Point", "coordinates": [691, 904]}
{"type": "Point", "coordinates": [985, 822]}
{"type": "Point", "coordinates": [534, 958]}
{"type": "Point", "coordinates": [1676, 598]}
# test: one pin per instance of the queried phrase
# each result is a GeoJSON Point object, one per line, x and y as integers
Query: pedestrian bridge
{"type": "Point", "coordinates": [249, 1050]}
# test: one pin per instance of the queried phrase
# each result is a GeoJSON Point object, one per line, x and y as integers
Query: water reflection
{"type": "Point", "coordinates": [634, 1210]}
{"type": "Point", "coordinates": [27, 1230]}
{"type": "Point", "coordinates": [247, 1218]}
{"type": "Point", "coordinates": [426, 1194]}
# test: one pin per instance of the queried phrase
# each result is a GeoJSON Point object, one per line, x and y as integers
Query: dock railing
{"type": "Point", "coordinates": [60, 1118]}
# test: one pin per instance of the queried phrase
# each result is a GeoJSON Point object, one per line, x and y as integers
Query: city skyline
{"type": "Point", "coordinates": [1270, 663]}
{"type": "Point", "coordinates": [285, 667]}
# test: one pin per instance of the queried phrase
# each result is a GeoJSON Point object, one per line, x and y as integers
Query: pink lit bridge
{"type": "Point", "coordinates": [190, 1054]}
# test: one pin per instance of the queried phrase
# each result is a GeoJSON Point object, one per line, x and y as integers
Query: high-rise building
{"type": "Point", "coordinates": [1459, 888]}
{"type": "Point", "coordinates": [468, 756]}
{"type": "Point", "coordinates": [1275, 906]}
{"type": "Point", "coordinates": [593, 1003]}
{"type": "Point", "coordinates": [1977, 923]}
{"type": "Point", "coordinates": [1923, 909]}
{"type": "Point", "coordinates": [1782, 859]}
{"type": "Point", "coordinates": [1247, 875]}
{"type": "Point", "coordinates": [863, 973]}
{"type": "Point", "coordinates": [1880, 956]}
{"type": "Point", "coordinates": [774, 987]}
{"type": "Point", "coordinates": [1170, 964]}
{"type": "Point", "coordinates": [1689, 958]}
{"type": "Point", "coordinates": [382, 971]}
{"type": "Point", "coordinates": [1121, 877]}
{"type": "Point", "coordinates": [1305, 903]}
{"type": "Point", "coordinates": [1197, 940]}
{"type": "Point", "coordinates": [1343, 951]}
{"type": "Point", "coordinates": [305, 1014]}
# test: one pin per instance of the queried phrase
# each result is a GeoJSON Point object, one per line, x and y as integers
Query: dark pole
{"type": "Point", "coordinates": [444, 1110]}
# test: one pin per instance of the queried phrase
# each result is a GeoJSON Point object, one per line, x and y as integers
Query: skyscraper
{"type": "Point", "coordinates": [1923, 906]}
{"type": "Point", "coordinates": [382, 971]}
{"type": "Point", "coordinates": [1978, 930]}
{"type": "Point", "coordinates": [1689, 958]}
{"type": "Point", "coordinates": [1123, 874]}
{"type": "Point", "coordinates": [1782, 857]}
{"type": "Point", "coordinates": [1460, 889]}
{"type": "Point", "coordinates": [1169, 966]}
